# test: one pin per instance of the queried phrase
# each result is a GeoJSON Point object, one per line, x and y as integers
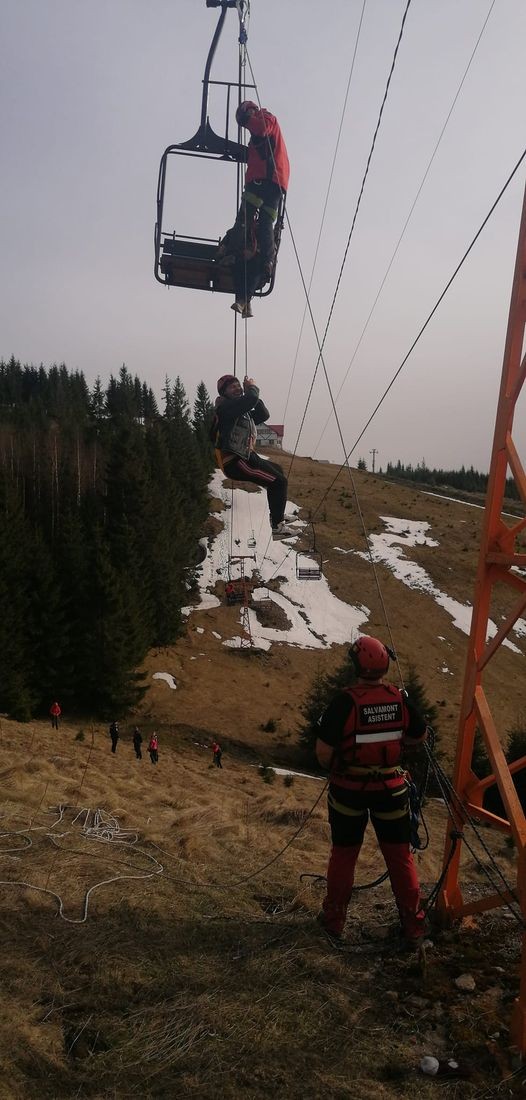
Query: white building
{"type": "Point", "coordinates": [270, 435]}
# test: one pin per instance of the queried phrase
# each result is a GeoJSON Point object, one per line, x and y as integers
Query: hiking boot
{"type": "Point", "coordinates": [282, 531]}
{"type": "Point", "coordinates": [247, 310]}
{"type": "Point", "coordinates": [335, 938]}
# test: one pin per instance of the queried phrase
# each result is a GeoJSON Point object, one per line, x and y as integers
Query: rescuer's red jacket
{"type": "Point", "coordinates": [267, 152]}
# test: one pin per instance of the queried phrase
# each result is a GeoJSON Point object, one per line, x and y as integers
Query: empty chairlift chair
{"type": "Point", "coordinates": [309, 562]}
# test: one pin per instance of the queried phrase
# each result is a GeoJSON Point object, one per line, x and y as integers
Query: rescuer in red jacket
{"type": "Point", "coordinates": [361, 734]}
{"type": "Point", "coordinates": [267, 178]}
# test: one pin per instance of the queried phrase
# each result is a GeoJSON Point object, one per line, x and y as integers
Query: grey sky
{"type": "Point", "coordinates": [91, 95]}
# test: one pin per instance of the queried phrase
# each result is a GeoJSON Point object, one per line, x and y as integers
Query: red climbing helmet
{"type": "Point", "coordinates": [243, 111]}
{"type": "Point", "coordinates": [370, 658]}
{"type": "Point", "coordinates": [224, 381]}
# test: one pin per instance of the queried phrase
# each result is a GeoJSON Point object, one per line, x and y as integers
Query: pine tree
{"type": "Point", "coordinates": [202, 422]}
{"type": "Point", "coordinates": [323, 689]}
{"type": "Point", "coordinates": [111, 684]}
{"type": "Point", "coordinates": [17, 693]}
{"type": "Point", "coordinates": [416, 759]}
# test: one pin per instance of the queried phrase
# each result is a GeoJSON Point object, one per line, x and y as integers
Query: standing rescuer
{"type": "Point", "coordinates": [267, 179]}
{"type": "Point", "coordinates": [361, 734]}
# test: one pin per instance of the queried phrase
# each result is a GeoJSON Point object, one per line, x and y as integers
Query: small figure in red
{"type": "Point", "coordinates": [55, 711]}
{"type": "Point", "coordinates": [218, 752]}
{"type": "Point", "coordinates": [153, 748]}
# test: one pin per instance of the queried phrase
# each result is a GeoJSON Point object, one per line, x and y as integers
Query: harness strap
{"type": "Point", "coordinates": [345, 809]}
{"type": "Point", "coordinates": [363, 769]}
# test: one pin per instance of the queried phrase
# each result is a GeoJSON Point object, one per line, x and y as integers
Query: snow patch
{"type": "Point", "coordinates": [167, 677]}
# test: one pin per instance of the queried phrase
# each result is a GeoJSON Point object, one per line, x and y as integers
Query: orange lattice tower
{"type": "Point", "coordinates": [499, 563]}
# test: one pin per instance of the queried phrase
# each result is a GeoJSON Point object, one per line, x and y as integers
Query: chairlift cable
{"type": "Point", "coordinates": [426, 323]}
{"type": "Point", "coordinates": [321, 358]}
{"type": "Point", "coordinates": [338, 281]}
{"type": "Point", "coordinates": [409, 216]}
{"type": "Point", "coordinates": [324, 211]}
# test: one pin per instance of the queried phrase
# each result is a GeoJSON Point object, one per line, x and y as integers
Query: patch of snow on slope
{"type": "Point", "coordinates": [388, 548]}
{"type": "Point", "coordinates": [318, 619]}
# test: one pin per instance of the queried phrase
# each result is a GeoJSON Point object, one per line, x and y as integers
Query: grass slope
{"type": "Point", "coordinates": [192, 983]}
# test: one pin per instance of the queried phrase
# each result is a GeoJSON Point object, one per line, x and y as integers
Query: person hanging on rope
{"type": "Point", "coordinates": [251, 240]}
{"type": "Point", "coordinates": [238, 410]}
{"type": "Point", "coordinates": [361, 734]}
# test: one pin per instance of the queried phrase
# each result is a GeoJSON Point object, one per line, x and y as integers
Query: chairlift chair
{"type": "Point", "coordinates": [309, 562]}
{"type": "Point", "coordinates": [189, 261]}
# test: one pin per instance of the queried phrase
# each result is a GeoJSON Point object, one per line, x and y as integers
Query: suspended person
{"type": "Point", "coordinates": [153, 748]}
{"type": "Point", "coordinates": [217, 754]}
{"type": "Point", "coordinates": [114, 736]}
{"type": "Point", "coordinates": [266, 181]}
{"type": "Point", "coordinates": [55, 711]}
{"type": "Point", "coordinates": [238, 410]}
{"type": "Point", "coordinates": [361, 734]}
{"type": "Point", "coordinates": [137, 742]}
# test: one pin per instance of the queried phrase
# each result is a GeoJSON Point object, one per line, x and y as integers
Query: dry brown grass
{"type": "Point", "coordinates": [172, 987]}
{"type": "Point", "coordinates": [188, 985]}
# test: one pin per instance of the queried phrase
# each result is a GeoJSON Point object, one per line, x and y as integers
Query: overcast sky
{"type": "Point", "coordinates": [92, 93]}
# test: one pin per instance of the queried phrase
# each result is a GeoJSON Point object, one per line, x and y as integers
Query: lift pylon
{"type": "Point", "coordinates": [246, 630]}
{"type": "Point", "coordinates": [500, 562]}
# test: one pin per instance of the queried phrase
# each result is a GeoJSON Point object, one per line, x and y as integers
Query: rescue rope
{"type": "Point", "coordinates": [322, 343]}
{"type": "Point", "coordinates": [104, 829]}
{"type": "Point", "coordinates": [253, 874]}
{"type": "Point", "coordinates": [457, 810]}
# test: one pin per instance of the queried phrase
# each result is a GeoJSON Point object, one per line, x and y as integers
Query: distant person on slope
{"type": "Point", "coordinates": [114, 735]}
{"type": "Point", "coordinates": [238, 410]}
{"type": "Point", "coordinates": [217, 754]}
{"type": "Point", "coordinates": [153, 748]}
{"type": "Point", "coordinates": [137, 742]}
{"type": "Point", "coordinates": [360, 739]}
{"type": "Point", "coordinates": [55, 712]}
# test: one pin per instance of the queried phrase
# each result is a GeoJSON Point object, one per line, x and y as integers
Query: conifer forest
{"type": "Point", "coordinates": [103, 499]}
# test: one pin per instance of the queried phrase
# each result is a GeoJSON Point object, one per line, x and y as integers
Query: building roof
{"type": "Point", "coordinates": [278, 429]}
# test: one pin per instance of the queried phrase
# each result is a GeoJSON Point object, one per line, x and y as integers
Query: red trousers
{"type": "Point", "coordinates": [404, 883]}
{"type": "Point", "coordinates": [348, 815]}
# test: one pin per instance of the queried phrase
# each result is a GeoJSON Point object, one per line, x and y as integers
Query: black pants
{"type": "Point", "coordinates": [248, 277]}
{"type": "Point", "coordinates": [54, 721]}
{"type": "Point", "coordinates": [114, 741]}
{"type": "Point", "coordinates": [262, 197]}
{"type": "Point", "coordinates": [259, 206]}
{"type": "Point", "coordinates": [267, 474]}
{"type": "Point", "coordinates": [154, 756]}
{"type": "Point", "coordinates": [217, 760]}
{"type": "Point", "coordinates": [138, 752]}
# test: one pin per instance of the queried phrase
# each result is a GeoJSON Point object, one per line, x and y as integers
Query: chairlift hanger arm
{"type": "Point", "coordinates": [206, 140]}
